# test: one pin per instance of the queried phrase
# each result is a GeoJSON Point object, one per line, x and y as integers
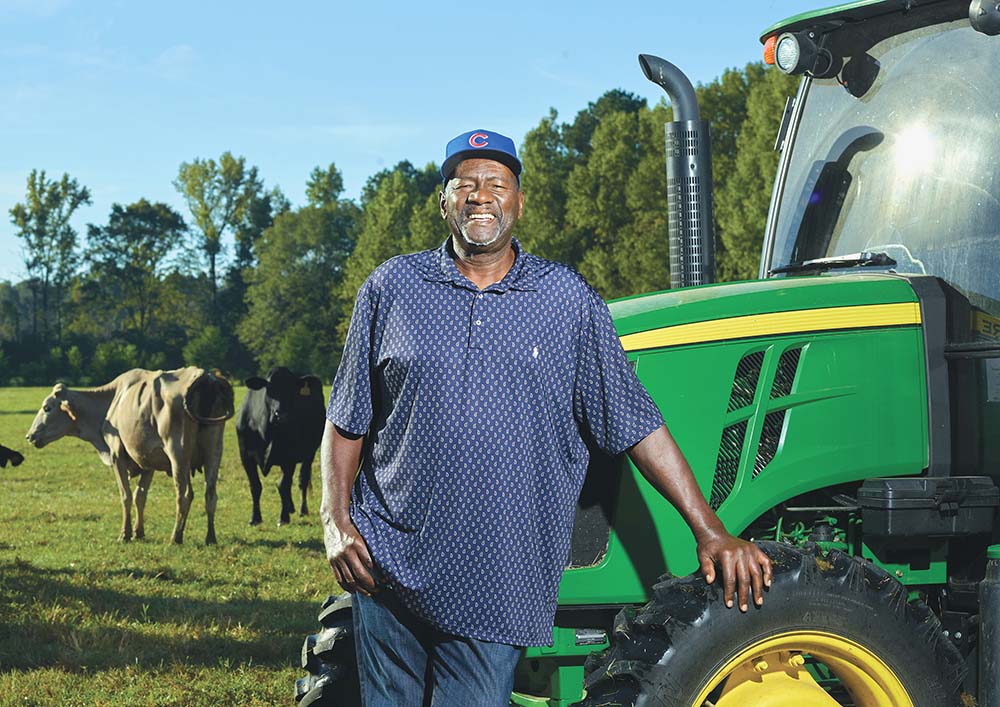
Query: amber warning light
{"type": "Point", "coordinates": [769, 49]}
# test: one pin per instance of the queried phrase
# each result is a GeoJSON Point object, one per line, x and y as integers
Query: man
{"type": "Point", "coordinates": [473, 378]}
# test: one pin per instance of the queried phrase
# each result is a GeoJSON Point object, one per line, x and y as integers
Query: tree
{"type": "Point", "coordinates": [207, 349]}
{"type": "Point", "coordinates": [324, 186]}
{"type": "Point", "coordinates": [742, 203]}
{"type": "Point", "coordinates": [292, 311]}
{"type": "Point", "coordinates": [389, 200]}
{"type": "Point", "coordinates": [427, 228]}
{"type": "Point", "coordinates": [128, 258]}
{"type": "Point", "coordinates": [218, 194]}
{"type": "Point", "coordinates": [261, 210]}
{"type": "Point", "coordinates": [597, 192]}
{"type": "Point", "coordinates": [577, 135]}
{"type": "Point", "coordinates": [42, 221]}
{"type": "Point", "coordinates": [547, 164]}
{"type": "Point", "coordinates": [10, 312]}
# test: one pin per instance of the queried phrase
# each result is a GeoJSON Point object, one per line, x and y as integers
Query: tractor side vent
{"type": "Point", "coordinates": [770, 436]}
{"type": "Point", "coordinates": [728, 463]}
{"type": "Point", "coordinates": [788, 364]}
{"type": "Point", "coordinates": [745, 381]}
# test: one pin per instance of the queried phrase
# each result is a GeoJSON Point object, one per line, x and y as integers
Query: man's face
{"type": "Point", "coordinates": [481, 204]}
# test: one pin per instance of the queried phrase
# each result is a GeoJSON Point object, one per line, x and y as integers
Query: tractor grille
{"type": "Point", "coordinates": [769, 438]}
{"type": "Point", "coordinates": [728, 463]}
{"type": "Point", "coordinates": [745, 382]}
{"type": "Point", "coordinates": [788, 364]}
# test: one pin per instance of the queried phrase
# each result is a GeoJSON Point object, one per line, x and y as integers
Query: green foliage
{"type": "Point", "coordinates": [207, 349]}
{"type": "Point", "coordinates": [293, 313]}
{"type": "Point", "coordinates": [547, 164]}
{"type": "Point", "coordinates": [219, 195]}
{"type": "Point", "coordinates": [389, 201]}
{"type": "Point", "coordinates": [42, 222]}
{"type": "Point", "coordinates": [128, 259]}
{"type": "Point", "coordinates": [324, 186]}
{"type": "Point", "coordinates": [111, 359]}
{"type": "Point", "coordinates": [261, 210]}
{"type": "Point", "coordinates": [427, 228]}
{"type": "Point", "coordinates": [578, 136]}
{"type": "Point", "coordinates": [743, 198]}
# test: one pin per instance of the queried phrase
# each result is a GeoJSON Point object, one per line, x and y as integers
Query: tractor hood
{"type": "Point", "coordinates": [763, 308]}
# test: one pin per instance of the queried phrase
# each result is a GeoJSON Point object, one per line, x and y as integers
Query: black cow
{"type": "Point", "coordinates": [280, 424]}
{"type": "Point", "coordinates": [9, 455]}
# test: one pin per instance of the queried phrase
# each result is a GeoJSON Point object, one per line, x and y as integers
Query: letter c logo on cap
{"type": "Point", "coordinates": [478, 140]}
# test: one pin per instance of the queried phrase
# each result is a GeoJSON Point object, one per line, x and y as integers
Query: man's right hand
{"type": "Point", "coordinates": [348, 556]}
{"type": "Point", "coordinates": [346, 551]}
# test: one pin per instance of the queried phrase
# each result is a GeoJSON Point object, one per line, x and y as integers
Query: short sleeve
{"type": "Point", "coordinates": [350, 406]}
{"type": "Point", "coordinates": [609, 402]}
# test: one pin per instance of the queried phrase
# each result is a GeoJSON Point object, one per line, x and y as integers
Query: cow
{"type": "Point", "coordinates": [280, 423]}
{"type": "Point", "coordinates": [146, 421]}
{"type": "Point", "coordinates": [9, 455]}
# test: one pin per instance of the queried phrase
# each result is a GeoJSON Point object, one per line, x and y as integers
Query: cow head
{"type": "Point", "coordinates": [54, 420]}
{"type": "Point", "coordinates": [279, 388]}
{"type": "Point", "coordinates": [209, 399]}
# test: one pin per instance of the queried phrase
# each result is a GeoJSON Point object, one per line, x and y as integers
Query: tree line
{"type": "Point", "coordinates": [244, 280]}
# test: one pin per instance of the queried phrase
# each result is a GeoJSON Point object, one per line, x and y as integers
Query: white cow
{"type": "Point", "coordinates": [144, 421]}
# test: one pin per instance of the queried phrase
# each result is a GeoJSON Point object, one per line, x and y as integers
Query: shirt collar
{"type": "Point", "coordinates": [521, 275]}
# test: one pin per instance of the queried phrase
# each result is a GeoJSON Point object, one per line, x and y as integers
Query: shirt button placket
{"type": "Point", "coordinates": [476, 322]}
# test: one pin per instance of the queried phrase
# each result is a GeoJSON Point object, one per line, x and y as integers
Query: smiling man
{"type": "Point", "coordinates": [473, 379]}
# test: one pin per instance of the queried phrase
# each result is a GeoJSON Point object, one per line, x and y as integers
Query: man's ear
{"type": "Point", "coordinates": [520, 203]}
{"type": "Point", "coordinates": [442, 202]}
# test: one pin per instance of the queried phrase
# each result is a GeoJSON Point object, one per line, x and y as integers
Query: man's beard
{"type": "Point", "coordinates": [498, 233]}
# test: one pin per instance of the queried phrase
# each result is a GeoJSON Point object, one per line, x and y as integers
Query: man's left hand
{"type": "Point", "coordinates": [744, 567]}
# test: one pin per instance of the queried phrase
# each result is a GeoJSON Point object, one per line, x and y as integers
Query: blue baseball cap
{"type": "Point", "coordinates": [484, 144]}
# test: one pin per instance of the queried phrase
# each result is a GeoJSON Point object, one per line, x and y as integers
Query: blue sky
{"type": "Point", "coordinates": [118, 94]}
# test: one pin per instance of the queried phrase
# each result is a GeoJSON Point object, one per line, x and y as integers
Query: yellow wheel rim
{"type": "Point", "coordinates": [772, 673]}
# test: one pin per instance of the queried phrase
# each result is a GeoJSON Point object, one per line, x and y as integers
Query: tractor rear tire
{"type": "Point", "coordinates": [329, 657]}
{"type": "Point", "coordinates": [825, 615]}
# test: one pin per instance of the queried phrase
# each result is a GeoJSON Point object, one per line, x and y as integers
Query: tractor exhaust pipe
{"type": "Point", "coordinates": [689, 178]}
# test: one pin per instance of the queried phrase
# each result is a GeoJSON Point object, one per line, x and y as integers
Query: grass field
{"type": "Point", "coordinates": [86, 620]}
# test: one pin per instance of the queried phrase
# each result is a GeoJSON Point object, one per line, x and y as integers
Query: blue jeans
{"type": "Point", "coordinates": [405, 662]}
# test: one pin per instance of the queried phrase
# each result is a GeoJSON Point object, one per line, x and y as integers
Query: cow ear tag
{"type": "Point", "coordinates": [65, 407]}
{"type": "Point", "coordinates": [304, 390]}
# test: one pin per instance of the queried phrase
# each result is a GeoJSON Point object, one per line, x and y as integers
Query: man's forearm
{"type": "Point", "coordinates": [662, 463]}
{"type": "Point", "coordinates": [339, 458]}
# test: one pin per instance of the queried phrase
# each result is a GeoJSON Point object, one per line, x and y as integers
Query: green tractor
{"type": "Point", "coordinates": [843, 410]}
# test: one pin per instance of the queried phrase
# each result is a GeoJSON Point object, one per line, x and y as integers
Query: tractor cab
{"type": "Point", "coordinates": [891, 148]}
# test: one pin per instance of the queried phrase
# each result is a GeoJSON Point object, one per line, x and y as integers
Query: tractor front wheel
{"type": "Point", "coordinates": [833, 631]}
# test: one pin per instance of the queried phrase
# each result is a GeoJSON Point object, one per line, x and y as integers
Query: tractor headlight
{"type": "Point", "coordinates": [796, 52]}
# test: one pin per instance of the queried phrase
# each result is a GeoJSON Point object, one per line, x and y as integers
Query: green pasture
{"type": "Point", "coordinates": [86, 620]}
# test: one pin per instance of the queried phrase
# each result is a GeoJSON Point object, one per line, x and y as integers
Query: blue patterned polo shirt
{"type": "Point", "coordinates": [479, 406]}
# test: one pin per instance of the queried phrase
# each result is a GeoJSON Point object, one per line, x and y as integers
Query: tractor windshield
{"type": "Point", "coordinates": [899, 155]}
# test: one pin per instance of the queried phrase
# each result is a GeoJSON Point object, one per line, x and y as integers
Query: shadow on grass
{"type": "Point", "coordinates": [48, 620]}
{"type": "Point", "coordinates": [19, 412]}
{"type": "Point", "coordinates": [315, 545]}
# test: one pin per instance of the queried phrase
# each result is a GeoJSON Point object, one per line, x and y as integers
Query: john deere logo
{"type": "Point", "coordinates": [478, 140]}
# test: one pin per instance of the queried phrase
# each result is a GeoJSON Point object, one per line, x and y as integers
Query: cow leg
{"type": "Point", "coordinates": [305, 481]}
{"type": "Point", "coordinates": [125, 491]}
{"type": "Point", "coordinates": [139, 499]}
{"type": "Point", "coordinates": [285, 492]}
{"type": "Point", "coordinates": [181, 473]}
{"type": "Point", "coordinates": [250, 467]}
{"type": "Point", "coordinates": [211, 437]}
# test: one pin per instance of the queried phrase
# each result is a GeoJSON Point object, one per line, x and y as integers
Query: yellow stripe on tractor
{"type": "Point", "coordinates": [775, 323]}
